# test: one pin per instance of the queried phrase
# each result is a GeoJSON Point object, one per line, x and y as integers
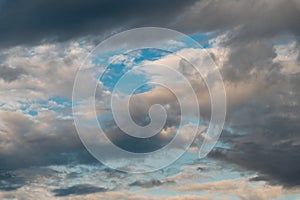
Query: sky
{"type": "Point", "coordinates": [254, 44]}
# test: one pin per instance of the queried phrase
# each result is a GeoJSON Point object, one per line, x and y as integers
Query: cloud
{"type": "Point", "coordinates": [81, 189]}
{"type": "Point", "coordinates": [149, 184]}
{"type": "Point", "coordinates": [276, 160]}
{"type": "Point", "coordinates": [45, 70]}
{"type": "Point", "coordinates": [56, 183]}
{"type": "Point", "coordinates": [248, 59]}
{"type": "Point", "coordinates": [264, 126]}
{"type": "Point", "coordinates": [34, 21]}
{"type": "Point", "coordinates": [263, 102]}
{"type": "Point", "coordinates": [9, 182]}
{"type": "Point", "coordinates": [246, 20]}
{"type": "Point", "coordinates": [42, 193]}
{"type": "Point", "coordinates": [44, 140]}
{"type": "Point", "coordinates": [64, 20]}
{"type": "Point", "coordinates": [179, 181]}
{"type": "Point", "coordinates": [239, 188]}
{"type": "Point", "coordinates": [260, 70]}
{"type": "Point", "coordinates": [9, 74]}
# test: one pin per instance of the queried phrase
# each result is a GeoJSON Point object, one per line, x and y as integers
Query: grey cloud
{"type": "Point", "coordinates": [265, 133]}
{"type": "Point", "coordinates": [80, 189]}
{"type": "Point", "coordinates": [24, 144]}
{"type": "Point", "coordinates": [133, 144]}
{"type": "Point", "coordinates": [255, 18]}
{"type": "Point", "coordinates": [139, 108]}
{"type": "Point", "coordinates": [9, 182]}
{"type": "Point", "coordinates": [10, 74]}
{"type": "Point", "coordinates": [265, 127]}
{"type": "Point", "coordinates": [246, 56]}
{"type": "Point", "coordinates": [12, 180]}
{"type": "Point", "coordinates": [278, 165]}
{"type": "Point", "coordinates": [149, 184]}
{"type": "Point", "coordinates": [35, 21]}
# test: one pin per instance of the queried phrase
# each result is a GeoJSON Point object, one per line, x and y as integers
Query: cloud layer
{"type": "Point", "coordinates": [256, 46]}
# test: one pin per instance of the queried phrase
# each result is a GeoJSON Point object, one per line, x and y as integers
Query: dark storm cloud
{"type": "Point", "coordinates": [34, 20]}
{"type": "Point", "coordinates": [81, 189]}
{"type": "Point", "coordinates": [277, 164]}
{"type": "Point", "coordinates": [265, 128]}
{"type": "Point", "coordinates": [266, 133]}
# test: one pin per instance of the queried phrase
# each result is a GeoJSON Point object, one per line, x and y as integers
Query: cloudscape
{"type": "Point", "coordinates": [53, 51]}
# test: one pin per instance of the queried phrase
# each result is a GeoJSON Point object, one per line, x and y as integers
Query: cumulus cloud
{"type": "Point", "coordinates": [263, 120]}
{"type": "Point", "coordinates": [41, 140]}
